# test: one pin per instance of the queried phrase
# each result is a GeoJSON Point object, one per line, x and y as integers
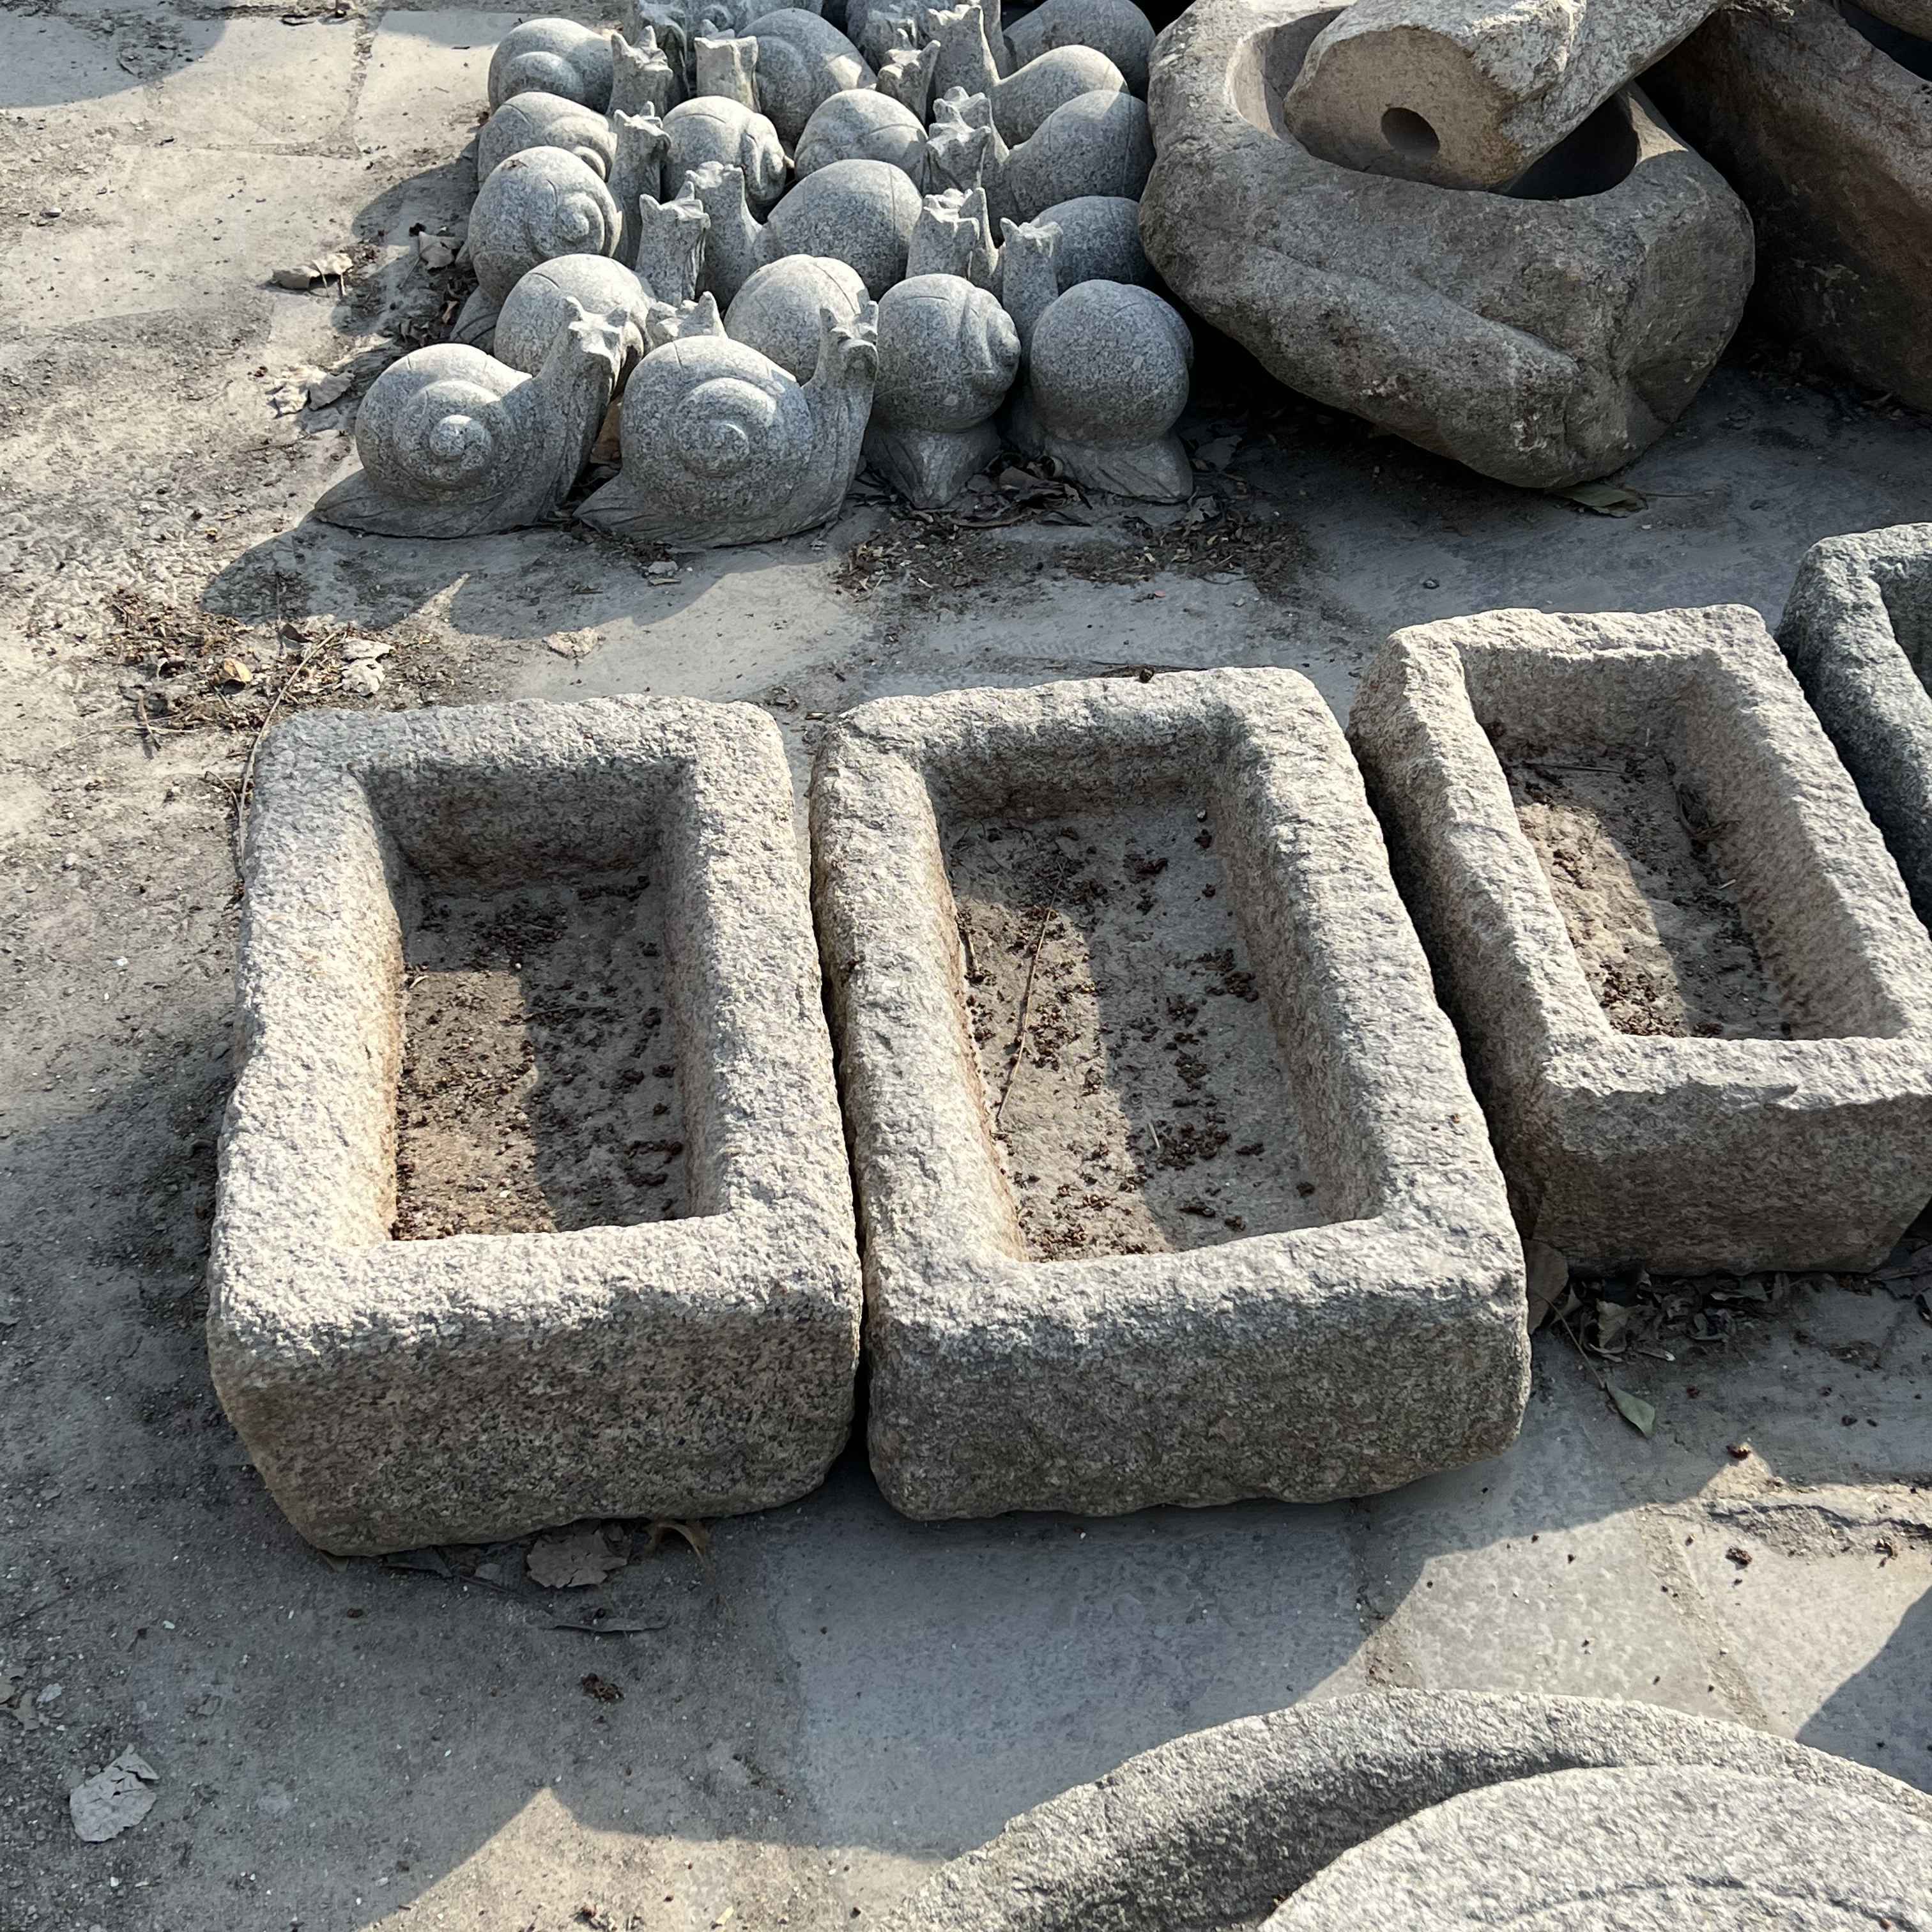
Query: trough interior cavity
{"type": "Point", "coordinates": [1907, 591]}
{"type": "Point", "coordinates": [1637, 866]}
{"type": "Point", "coordinates": [538, 1090]}
{"type": "Point", "coordinates": [1131, 1072]}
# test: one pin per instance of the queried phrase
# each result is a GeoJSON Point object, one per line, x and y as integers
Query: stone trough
{"type": "Point", "coordinates": [1689, 983]}
{"type": "Point", "coordinates": [1858, 630]}
{"type": "Point", "coordinates": [633, 1289]}
{"type": "Point", "coordinates": [1172, 1186]}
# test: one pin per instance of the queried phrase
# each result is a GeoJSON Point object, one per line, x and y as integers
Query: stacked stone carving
{"type": "Point", "coordinates": [737, 192]}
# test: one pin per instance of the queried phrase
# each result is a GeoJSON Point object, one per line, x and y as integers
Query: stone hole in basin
{"type": "Point", "coordinates": [1148, 1110]}
{"type": "Point", "coordinates": [1592, 159]}
{"type": "Point", "coordinates": [1408, 133]}
{"type": "Point", "coordinates": [538, 1090]}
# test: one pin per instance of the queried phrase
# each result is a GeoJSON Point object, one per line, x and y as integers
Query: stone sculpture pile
{"type": "Point", "coordinates": [1466, 220]}
{"type": "Point", "coordinates": [788, 248]}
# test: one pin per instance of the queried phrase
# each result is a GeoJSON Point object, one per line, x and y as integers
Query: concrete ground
{"type": "Point", "coordinates": [850, 1697]}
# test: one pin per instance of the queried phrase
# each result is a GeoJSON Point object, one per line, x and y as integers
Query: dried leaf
{"type": "Point", "coordinates": [290, 399]}
{"type": "Point", "coordinates": [1219, 453]}
{"type": "Point", "coordinates": [1641, 1415]}
{"type": "Point", "coordinates": [1548, 1272]}
{"type": "Point", "coordinates": [234, 671]}
{"type": "Point", "coordinates": [331, 388]}
{"type": "Point", "coordinates": [436, 251]}
{"type": "Point", "coordinates": [106, 1806]}
{"type": "Point", "coordinates": [1612, 1323]}
{"type": "Point", "coordinates": [611, 1626]}
{"type": "Point", "coordinates": [1607, 499]}
{"type": "Point", "coordinates": [572, 1559]}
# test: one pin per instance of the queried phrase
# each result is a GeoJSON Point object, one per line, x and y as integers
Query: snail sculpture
{"type": "Point", "coordinates": [952, 237]}
{"type": "Point", "coordinates": [550, 295]}
{"type": "Point", "coordinates": [722, 446]}
{"type": "Point", "coordinates": [905, 75]}
{"type": "Point", "coordinates": [779, 311]}
{"type": "Point", "coordinates": [537, 205]}
{"type": "Point", "coordinates": [454, 443]}
{"type": "Point", "coordinates": [861, 213]}
{"type": "Point", "coordinates": [860, 124]}
{"type": "Point", "coordinates": [802, 61]}
{"type": "Point", "coordinates": [642, 146]}
{"type": "Point", "coordinates": [550, 56]}
{"type": "Point", "coordinates": [1023, 99]}
{"type": "Point", "coordinates": [1115, 28]}
{"type": "Point", "coordinates": [948, 354]}
{"type": "Point", "coordinates": [1107, 369]}
{"type": "Point", "coordinates": [708, 127]}
{"type": "Point", "coordinates": [545, 120]}
{"type": "Point", "coordinates": [1097, 143]}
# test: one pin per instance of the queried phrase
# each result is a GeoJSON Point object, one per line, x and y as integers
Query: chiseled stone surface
{"type": "Point", "coordinates": [395, 1393]}
{"type": "Point", "coordinates": [1689, 1154]}
{"type": "Point", "coordinates": [539, 307]}
{"type": "Point", "coordinates": [1541, 341]}
{"type": "Point", "coordinates": [803, 60]}
{"type": "Point", "coordinates": [1116, 27]}
{"type": "Point", "coordinates": [537, 120]}
{"type": "Point", "coordinates": [721, 445]}
{"type": "Point", "coordinates": [948, 354]}
{"type": "Point", "coordinates": [862, 124]}
{"type": "Point", "coordinates": [1357, 1353]}
{"type": "Point", "coordinates": [1215, 1830]}
{"type": "Point", "coordinates": [552, 56]}
{"type": "Point", "coordinates": [777, 312]}
{"type": "Point", "coordinates": [1469, 93]}
{"type": "Point", "coordinates": [538, 204]}
{"type": "Point", "coordinates": [1097, 143]}
{"type": "Point", "coordinates": [1858, 630]}
{"type": "Point", "coordinates": [1649, 1849]}
{"type": "Point", "coordinates": [1827, 136]}
{"type": "Point", "coordinates": [1099, 240]}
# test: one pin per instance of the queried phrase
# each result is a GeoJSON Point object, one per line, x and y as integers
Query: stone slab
{"type": "Point", "coordinates": [428, 80]}
{"type": "Point", "coordinates": [1800, 1140]}
{"type": "Point", "coordinates": [398, 1392]}
{"type": "Point", "coordinates": [1368, 1331]}
{"type": "Point", "coordinates": [255, 82]}
{"type": "Point", "coordinates": [1472, 93]}
{"type": "Point", "coordinates": [1858, 631]}
{"type": "Point", "coordinates": [1643, 1849]}
{"type": "Point", "coordinates": [1827, 136]}
{"type": "Point", "coordinates": [1542, 337]}
{"type": "Point", "coordinates": [1216, 1829]}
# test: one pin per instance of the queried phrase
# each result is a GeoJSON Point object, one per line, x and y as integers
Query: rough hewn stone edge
{"type": "Point", "coordinates": [990, 1372]}
{"type": "Point", "coordinates": [1208, 1832]}
{"type": "Point", "coordinates": [1567, 1094]}
{"type": "Point", "coordinates": [1837, 635]}
{"type": "Point", "coordinates": [315, 1317]}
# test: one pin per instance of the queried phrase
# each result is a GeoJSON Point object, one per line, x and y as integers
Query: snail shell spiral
{"type": "Point", "coordinates": [552, 56]}
{"type": "Point", "coordinates": [539, 204]}
{"type": "Point", "coordinates": [715, 429]}
{"type": "Point", "coordinates": [446, 425]}
{"type": "Point", "coordinates": [545, 120]}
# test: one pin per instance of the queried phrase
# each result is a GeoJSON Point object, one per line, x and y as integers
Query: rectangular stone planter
{"type": "Point", "coordinates": [1690, 985]}
{"type": "Point", "coordinates": [1172, 1187]}
{"type": "Point", "coordinates": [595, 917]}
{"type": "Point", "coordinates": [1858, 630]}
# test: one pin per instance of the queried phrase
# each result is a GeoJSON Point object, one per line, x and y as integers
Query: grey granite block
{"type": "Point", "coordinates": [1692, 991]}
{"type": "Point", "coordinates": [1858, 630]}
{"type": "Point", "coordinates": [1234, 972]}
{"type": "Point", "coordinates": [397, 1392]}
{"type": "Point", "coordinates": [1215, 1830]}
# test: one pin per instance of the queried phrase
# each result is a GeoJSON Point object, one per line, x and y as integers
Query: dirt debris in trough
{"type": "Point", "coordinates": [1128, 1059]}
{"type": "Point", "coordinates": [539, 1086]}
{"type": "Point", "coordinates": [1637, 866]}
